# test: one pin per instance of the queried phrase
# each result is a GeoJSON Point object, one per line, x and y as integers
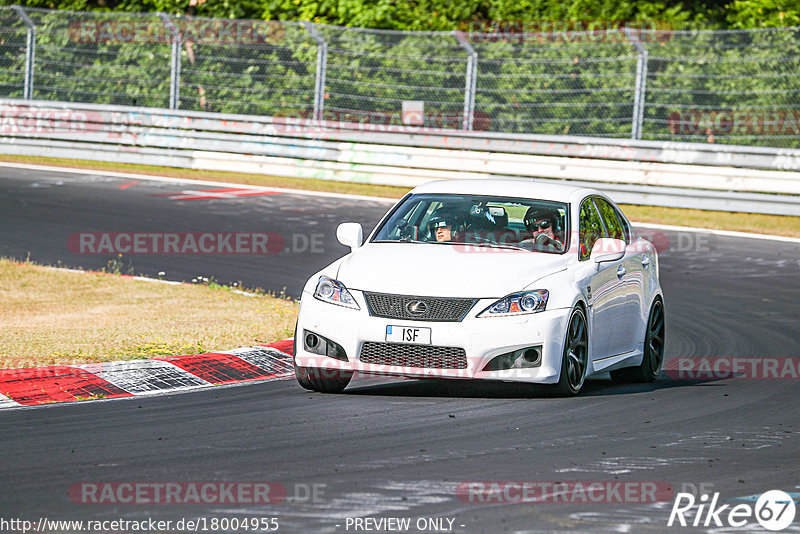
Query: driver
{"type": "Point", "coordinates": [447, 224]}
{"type": "Point", "coordinates": [542, 223]}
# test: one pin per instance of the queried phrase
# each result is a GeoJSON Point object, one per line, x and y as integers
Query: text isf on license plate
{"type": "Point", "coordinates": [408, 334]}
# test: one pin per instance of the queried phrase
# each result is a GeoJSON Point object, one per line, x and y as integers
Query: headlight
{"type": "Point", "coordinates": [333, 291]}
{"type": "Point", "coordinates": [518, 304]}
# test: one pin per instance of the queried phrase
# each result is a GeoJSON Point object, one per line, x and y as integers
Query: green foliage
{"type": "Point", "coordinates": [446, 15]}
{"type": "Point", "coordinates": [387, 14]}
{"type": "Point", "coordinates": [763, 13]}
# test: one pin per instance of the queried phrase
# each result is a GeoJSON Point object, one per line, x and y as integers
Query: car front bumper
{"type": "Point", "coordinates": [482, 339]}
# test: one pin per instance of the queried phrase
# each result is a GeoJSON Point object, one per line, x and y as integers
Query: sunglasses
{"type": "Point", "coordinates": [542, 225]}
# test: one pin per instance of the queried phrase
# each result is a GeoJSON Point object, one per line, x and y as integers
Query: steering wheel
{"type": "Point", "coordinates": [544, 240]}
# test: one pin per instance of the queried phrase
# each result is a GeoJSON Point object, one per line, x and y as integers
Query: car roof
{"type": "Point", "coordinates": [523, 188]}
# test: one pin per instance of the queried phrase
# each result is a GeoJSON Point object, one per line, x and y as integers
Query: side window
{"type": "Point", "coordinates": [610, 219]}
{"type": "Point", "coordinates": [591, 228]}
{"type": "Point", "coordinates": [626, 228]}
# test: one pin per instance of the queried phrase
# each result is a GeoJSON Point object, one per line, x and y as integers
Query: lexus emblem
{"type": "Point", "coordinates": [417, 307]}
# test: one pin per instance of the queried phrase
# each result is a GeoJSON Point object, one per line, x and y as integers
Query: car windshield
{"type": "Point", "coordinates": [480, 220]}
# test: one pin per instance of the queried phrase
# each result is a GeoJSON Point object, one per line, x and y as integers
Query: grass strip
{"type": "Point", "coordinates": [52, 316]}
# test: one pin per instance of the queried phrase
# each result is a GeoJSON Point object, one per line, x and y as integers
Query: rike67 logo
{"type": "Point", "coordinates": [773, 510]}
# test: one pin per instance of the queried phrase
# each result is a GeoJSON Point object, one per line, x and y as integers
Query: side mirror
{"type": "Point", "coordinates": [608, 249]}
{"type": "Point", "coordinates": [350, 235]}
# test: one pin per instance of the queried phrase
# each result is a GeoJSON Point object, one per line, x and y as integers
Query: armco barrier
{"type": "Point", "coordinates": [708, 176]}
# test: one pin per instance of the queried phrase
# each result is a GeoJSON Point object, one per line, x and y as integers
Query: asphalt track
{"type": "Point", "coordinates": [402, 448]}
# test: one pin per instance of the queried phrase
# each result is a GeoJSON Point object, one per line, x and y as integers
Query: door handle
{"type": "Point", "coordinates": [621, 271]}
{"type": "Point", "coordinates": [645, 261]}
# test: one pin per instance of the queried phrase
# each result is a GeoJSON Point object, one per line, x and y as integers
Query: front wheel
{"type": "Point", "coordinates": [653, 354]}
{"type": "Point", "coordinates": [322, 380]}
{"type": "Point", "coordinates": [301, 374]}
{"type": "Point", "coordinates": [575, 356]}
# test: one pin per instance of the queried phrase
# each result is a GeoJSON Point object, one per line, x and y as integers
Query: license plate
{"type": "Point", "coordinates": [408, 334]}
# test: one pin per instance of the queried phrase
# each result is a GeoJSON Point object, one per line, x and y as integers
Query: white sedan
{"type": "Point", "coordinates": [508, 280]}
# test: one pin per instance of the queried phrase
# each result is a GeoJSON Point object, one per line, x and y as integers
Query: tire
{"type": "Point", "coordinates": [575, 356]}
{"type": "Point", "coordinates": [653, 353]}
{"type": "Point", "coordinates": [301, 374]}
{"type": "Point", "coordinates": [322, 380]}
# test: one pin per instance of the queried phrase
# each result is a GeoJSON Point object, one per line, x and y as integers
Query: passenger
{"type": "Point", "coordinates": [542, 223]}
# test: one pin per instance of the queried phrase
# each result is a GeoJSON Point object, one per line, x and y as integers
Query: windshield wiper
{"type": "Point", "coordinates": [400, 240]}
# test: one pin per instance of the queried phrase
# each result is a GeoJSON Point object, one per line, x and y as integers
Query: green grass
{"type": "Point", "coordinates": [50, 317]}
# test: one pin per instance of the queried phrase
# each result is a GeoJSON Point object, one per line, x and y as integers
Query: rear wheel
{"type": "Point", "coordinates": [575, 356]}
{"type": "Point", "coordinates": [653, 354]}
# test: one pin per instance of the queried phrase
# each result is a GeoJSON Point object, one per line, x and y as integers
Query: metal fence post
{"type": "Point", "coordinates": [471, 81]}
{"type": "Point", "coordinates": [322, 69]}
{"type": "Point", "coordinates": [174, 63]}
{"type": "Point", "coordinates": [30, 52]}
{"type": "Point", "coordinates": [640, 85]}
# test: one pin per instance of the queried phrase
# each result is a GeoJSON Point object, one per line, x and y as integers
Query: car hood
{"type": "Point", "coordinates": [444, 270]}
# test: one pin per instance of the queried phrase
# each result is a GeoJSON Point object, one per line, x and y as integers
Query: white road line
{"type": "Point", "coordinates": [166, 179]}
{"type": "Point", "coordinates": [725, 233]}
{"type": "Point", "coordinates": [146, 279]}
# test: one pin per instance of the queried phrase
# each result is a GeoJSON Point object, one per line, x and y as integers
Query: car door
{"type": "Point", "coordinates": [627, 313]}
{"type": "Point", "coordinates": [602, 284]}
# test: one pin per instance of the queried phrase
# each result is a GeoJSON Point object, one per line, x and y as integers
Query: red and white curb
{"type": "Point", "coordinates": [107, 380]}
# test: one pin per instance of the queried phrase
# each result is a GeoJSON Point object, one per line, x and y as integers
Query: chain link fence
{"type": "Point", "coordinates": [371, 73]}
{"type": "Point", "coordinates": [13, 46]}
{"type": "Point", "coordinates": [740, 87]}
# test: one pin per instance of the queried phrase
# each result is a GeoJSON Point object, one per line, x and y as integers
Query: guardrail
{"type": "Point", "coordinates": [615, 79]}
{"type": "Point", "coordinates": [705, 176]}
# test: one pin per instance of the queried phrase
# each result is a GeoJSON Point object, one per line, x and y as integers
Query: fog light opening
{"type": "Point", "coordinates": [531, 356]}
{"type": "Point", "coordinates": [316, 344]}
{"type": "Point", "coordinates": [518, 359]}
{"type": "Point", "coordinates": [334, 350]}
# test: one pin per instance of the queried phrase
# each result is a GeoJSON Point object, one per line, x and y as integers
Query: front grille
{"type": "Point", "coordinates": [436, 309]}
{"type": "Point", "coordinates": [423, 356]}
